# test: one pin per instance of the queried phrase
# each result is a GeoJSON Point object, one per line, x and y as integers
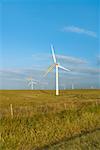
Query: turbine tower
{"type": "Point", "coordinates": [57, 66]}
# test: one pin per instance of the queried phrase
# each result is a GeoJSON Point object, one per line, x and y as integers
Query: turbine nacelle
{"type": "Point", "coordinates": [57, 64]}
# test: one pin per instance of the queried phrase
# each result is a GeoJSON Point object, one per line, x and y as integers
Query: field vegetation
{"type": "Point", "coordinates": [43, 121]}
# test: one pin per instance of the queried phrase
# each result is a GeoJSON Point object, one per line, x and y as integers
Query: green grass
{"type": "Point", "coordinates": [44, 121]}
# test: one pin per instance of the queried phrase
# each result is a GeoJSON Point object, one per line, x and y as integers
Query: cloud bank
{"type": "Point", "coordinates": [86, 76]}
{"type": "Point", "coordinates": [81, 74]}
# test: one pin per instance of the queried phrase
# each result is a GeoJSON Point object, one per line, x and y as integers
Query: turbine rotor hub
{"type": "Point", "coordinates": [57, 64]}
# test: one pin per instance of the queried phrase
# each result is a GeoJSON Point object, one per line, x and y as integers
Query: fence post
{"type": "Point", "coordinates": [11, 111]}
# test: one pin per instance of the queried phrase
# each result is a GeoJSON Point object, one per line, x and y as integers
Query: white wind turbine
{"type": "Point", "coordinates": [57, 66]}
{"type": "Point", "coordinates": [32, 82]}
{"type": "Point", "coordinates": [72, 86]}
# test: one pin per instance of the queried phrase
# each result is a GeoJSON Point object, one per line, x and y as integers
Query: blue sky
{"type": "Point", "coordinates": [28, 27]}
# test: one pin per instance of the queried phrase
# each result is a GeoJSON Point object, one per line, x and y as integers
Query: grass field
{"type": "Point", "coordinates": [43, 121]}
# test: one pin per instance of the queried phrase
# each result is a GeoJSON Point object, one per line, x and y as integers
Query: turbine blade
{"type": "Point", "coordinates": [64, 68]}
{"type": "Point", "coordinates": [53, 54]}
{"type": "Point", "coordinates": [29, 83]}
{"type": "Point", "coordinates": [49, 69]}
{"type": "Point", "coordinates": [34, 83]}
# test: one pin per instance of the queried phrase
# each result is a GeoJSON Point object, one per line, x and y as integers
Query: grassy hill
{"type": "Point", "coordinates": [42, 120]}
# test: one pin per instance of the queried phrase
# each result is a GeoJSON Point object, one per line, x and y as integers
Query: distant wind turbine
{"type": "Point", "coordinates": [31, 82]}
{"type": "Point", "coordinates": [92, 87]}
{"type": "Point", "coordinates": [72, 86]}
{"type": "Point", "coordinates": [57, 66]}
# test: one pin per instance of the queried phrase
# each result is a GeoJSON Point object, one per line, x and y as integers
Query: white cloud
{"type": "Point", "coordinates": [72, 60]}
{"type": "Point", "coordinates": [47, 59]}
{"type": "Point", "coordinates": [79, 31]}
{"type": "Point", "coordinates": [41, 56]}
{"type": "Point", "coordinates": [87, 70]}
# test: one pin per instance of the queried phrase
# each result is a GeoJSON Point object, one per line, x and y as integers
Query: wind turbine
{"type": "Point", "coordinates": [32, 82]}
{"type": "Point", "coordinates": [72, 86]}
{"type": "Point", "coordinates": [57, 66]}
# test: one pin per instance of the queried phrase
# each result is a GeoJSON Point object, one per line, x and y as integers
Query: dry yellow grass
{"type": "Point", "coordinates": [42, 120]}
